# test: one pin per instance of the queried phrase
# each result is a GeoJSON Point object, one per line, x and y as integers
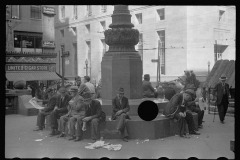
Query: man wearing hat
{"type": "Point", "coordinates": [94, 116]}
{"type": "Point", "coordinates": [169, 90]}
{"type": "Point", "coordinates": [47, 110]}
{"type": "Point", "coordinates": [176, 108]}
{"type": "Point", "coordinates": [90, 86]}
{"type": "Point", "coordinates": [148, 90]}
{"type": "Point", "coordinates": [59, 110]}
{"type": "Point", "coordinates": [75, 111]}
{"type": "Point", "coordinates": [120, 111]}
{"type": "Point", "coordinates": [222, 90]}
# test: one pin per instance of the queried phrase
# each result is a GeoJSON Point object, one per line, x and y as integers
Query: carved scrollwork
{"type": "Point", "coordinates": [121, 36]}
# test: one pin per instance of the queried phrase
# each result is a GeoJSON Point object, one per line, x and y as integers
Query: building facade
{"type": "Point", "coordinates": [186, 37]}
{"type": "Point", "coordinates": [30, 43]}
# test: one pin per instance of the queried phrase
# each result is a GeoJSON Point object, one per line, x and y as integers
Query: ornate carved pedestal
{"type": "Point", "coordinates": [121, 64]}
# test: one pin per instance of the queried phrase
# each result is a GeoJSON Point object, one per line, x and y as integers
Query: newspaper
{"type": "Point", "coordinates": [35, 104]}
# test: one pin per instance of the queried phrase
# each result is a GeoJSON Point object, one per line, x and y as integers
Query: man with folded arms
{"type": "Point", "coordinates": [93, 116]}
{"type": "Point", "coordinates": [75, 111]}
{"type": "Point", "coordinates": [176, 108]}
{"type": "Point", "coordinates": [121, 107]}
{"type": "Point", "coordinates": [59, 110]}
{"type": "Point", "coordinates": [47, 110]}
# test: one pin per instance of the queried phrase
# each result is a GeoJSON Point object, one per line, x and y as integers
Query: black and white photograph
{"type": "Point", "coordinates": [120, 81]}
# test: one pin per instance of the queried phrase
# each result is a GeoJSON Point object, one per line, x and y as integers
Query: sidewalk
{"type": "Point", "coordinates": [213, 142]}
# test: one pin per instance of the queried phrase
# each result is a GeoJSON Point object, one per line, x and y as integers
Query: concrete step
{"type": "Point", "coordinates": [137, 128]}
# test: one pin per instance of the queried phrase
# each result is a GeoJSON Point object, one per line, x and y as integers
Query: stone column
{"type": "Point", "coordinates": [121, 65]}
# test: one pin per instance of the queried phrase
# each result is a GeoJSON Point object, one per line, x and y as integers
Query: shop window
{"type": "Point", "coordinates": [36, 12]}
{"type": "Point", "coordinates": [15, 11]}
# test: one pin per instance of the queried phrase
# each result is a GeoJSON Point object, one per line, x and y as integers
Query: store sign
{"type": "Point", "coordinates": [49, 10]}
{"type": "Point", "coordinates": [48, 44]}
{"type": "Point", "coordinates": [26, 67]}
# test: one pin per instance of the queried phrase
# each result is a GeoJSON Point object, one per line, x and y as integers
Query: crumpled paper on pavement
{"type": "Point", "coordinates": [101, 144]}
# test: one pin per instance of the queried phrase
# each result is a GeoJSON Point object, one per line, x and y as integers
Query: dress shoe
{"type": "Point", "coordinates": [77, 139]}
{"type": "Point", "coordinates": [52, 133]}
{"type": "Point", "coordinates": [61, 135]}
{"type": "Point", "coordinates": [125, 139]}
{"type": "Point", "coordinates": [72, 138]}
{"type": "Point", "coordinates": [38, 129]}
{"type": "Point", "coordinates": [200, 126]}
{"type": "Point", "coordinates": [194, 133]}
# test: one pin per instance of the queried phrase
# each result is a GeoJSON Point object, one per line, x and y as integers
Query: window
{"type": "Point", "coordinates": [62, 33]}
{"type": "Point", "coordinates": [104, 8]}
{"type": "Point", "coordinates": [15, 11]}
{"type": "Point", "coordinates": [161, 35]}
{"type": "Point", "coordinates": [140, 38]}
{"type": "Point", "coordinates": [221, 15]}
{"type": "Point", "coordinates": [104, 46]}
{"type": "Point", "coordinates": [74, 30]}
{"type": "Point", "coordinates": [139, 18]}
{"type": "Point", "coordinates": [89, 10]}
{"type": "Point", "coordinates": [88, 28]}
{"type": "Point", "coordinates": [62, 11]}
{"type": "Point", "coordinates": [161, 13]}
{"type": "Point", "coordinates": [103, 25]}
{"type": "Point", "coordinates": [25, 40]}
{"type": "Point", "coordinates": [75, 15]}
{"type": "Point", "coordinates": [36, 12]}
{"type": "Point", "coordinates": [140, 45]}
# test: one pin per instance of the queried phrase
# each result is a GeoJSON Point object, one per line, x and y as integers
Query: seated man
{"type": "Point", "coordinates": [169, 91]}
{"type": "Point", "coordinates": [47, 110]}
{"type": "Point", "coordinates": [148, 90]}
{"type": "Point", "coordinates": [176, 109]}
{"type": "Point", "coordinates": [93, 116]}
{"type": "Point", "coordinates": [59, 110]}
{"type": "Point", "coordinates": [121, 107]}
{"type": "Point", "coordinates": [75, 111]}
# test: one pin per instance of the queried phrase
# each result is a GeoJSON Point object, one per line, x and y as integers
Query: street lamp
{"type": "Point", "coordinates": [208, 67]}
{"type": "Point", "coordinates": [86, 62]}
{"type": "Point", "coordinates": [64, 54]}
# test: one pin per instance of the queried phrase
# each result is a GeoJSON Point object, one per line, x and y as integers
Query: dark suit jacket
{"type": "Point", "coordinates": [63, 106]}
{"type": "Point", "coordinates": [148, 90]}
{"type": "Point", "coordinates": [116, 106]}
{"type": "Point", "coordinates": [95, 109]}
{"type": "Point", "coordinates": [172, 107]}
{"type": "Point", "coordinates": [51, 103]}
{"type": "Point", "coordinates": [219, 90]}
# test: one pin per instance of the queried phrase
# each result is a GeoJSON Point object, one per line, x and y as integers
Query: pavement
{"type": "Point", "coordinates": [214, 142]}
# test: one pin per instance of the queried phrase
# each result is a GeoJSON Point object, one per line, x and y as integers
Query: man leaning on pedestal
{"type": "Point", "coordinates": [222, 90]}
{"type": "Point", "coordinates": [59, 110]}
{"type": "Point", "coordinates": [176, 108]}
{"type": "Point", "coordinates": [120, 111]}
{"type": "Point", "coordinates": [47, 110]}
{"type": "Point", "coordinates": [75, 111]}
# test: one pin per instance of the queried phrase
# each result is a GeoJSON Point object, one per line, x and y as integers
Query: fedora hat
{"type": "Point", "coordinates": [223, 77]}
{"type": "Point", "coordinates": [190, 92]}
{"type": "Point", "coordinates": [73, 89]}
{"type": "Point", "coordinates": [120, 90]}
{"type": "Point", "coordinates": [62, 89]}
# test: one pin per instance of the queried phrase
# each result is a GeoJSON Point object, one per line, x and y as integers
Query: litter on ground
{"type": "Point", "coordinates": [146, 140]}
{"type": "Point", "coordinates": [38, 139]}
{"type": "Point", "coordinates": [101, 144]}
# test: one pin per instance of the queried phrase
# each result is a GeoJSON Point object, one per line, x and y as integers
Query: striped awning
{"type": "Point", "coordinates": [32, 76]}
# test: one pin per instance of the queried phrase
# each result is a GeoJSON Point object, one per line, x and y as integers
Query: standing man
{"type": "Point", "coordinates": [59, 110]}
{"type": "Point", "coordinates": [120, 110]}
{"type": "Point", "coordinates": [47, 110]}
{"type": "Point", "coordinates": [94, 115]}
{"type": "Point", "coordinates": [75, 111]}
{"type": "Point", "coordinates": [148, 90]}
{"type": "Point", "coordinates": [222, 90]}
{"type": "Point", "coordinates": [176, 108]}
{"type": "Point", "coordinates": [90, 86]}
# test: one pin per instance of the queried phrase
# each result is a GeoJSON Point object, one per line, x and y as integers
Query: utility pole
{"type": "Point", "coordinates": [64, 54]}
{"type": "Point", "coordinates": [215, 56]}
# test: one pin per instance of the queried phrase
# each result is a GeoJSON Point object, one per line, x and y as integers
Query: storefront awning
{"type": "Point", "coordinates": [32, 76]}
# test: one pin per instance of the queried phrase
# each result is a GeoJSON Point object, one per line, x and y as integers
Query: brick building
{"type": "Point", "coordinates": [190, 37]}
{"type": "Point", "coordinates": [30, 43]}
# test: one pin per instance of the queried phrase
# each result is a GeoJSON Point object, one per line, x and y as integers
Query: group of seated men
{"type": "Point", "coordinates": [79, 109]}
